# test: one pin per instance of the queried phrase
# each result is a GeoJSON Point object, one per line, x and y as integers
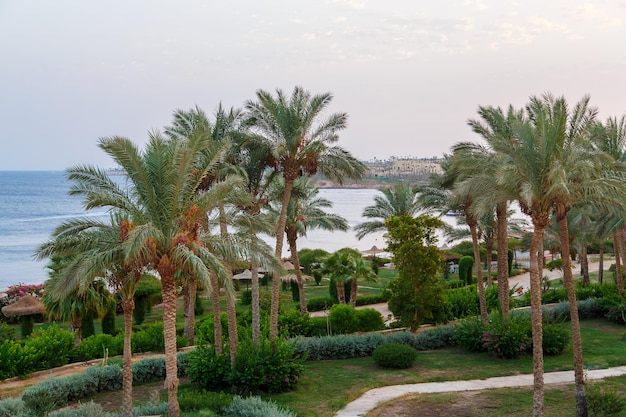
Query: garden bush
{"type": "Point", "coordinates": [271, 366]}
{"type": "Point", "coordinates": [556, 337]}
{"type": "Point", "coordinates": [343, 319]}
{"type": "Point", "coordinates": [255, 407]}
{"type": "Point", "coordinates": [205, 329]}
{"type": "Point", "coordinates": [89, 409]}
{"type": "Point", "coordinates": [318, 326]}
{"type": "Point", "coordinates": [339, 347]}
{"type": "Point", "coordinates": [466, 263]}
{"type": "Point", "coordinates": [462, 302]}
{"type": "Point", "coordinates": [394, 355]}
{"type": "Point", "coordinates": [436, 338]}
{"type": "Point", "coordinates": [507, 338]}
{"type": "Point", "coordinates": [11, 407]}
{"type": "Point", "coordinates": [195, 400]}
{"type": "Point", "coordinates": [469, 335]}
{"type": "Point", "coordinates": [369, 320]}
{"type": "Point", "coordinates": [319, 303]}
{"type": "Point", "coordinates": [108, 321]}
{"type": "Point", "coordinates": [364, 300]}
{"type": "Point", "coordinates": [604, 402]}
{"type": "Point", "coordinates": [150, 339]}
{"type": "Point", "coordinates": [6, 332]}
{"type": "Point", "coordinates": [50, 347]}
{"type": "Point", "coordinates": [94, 347]}
{"type": "Point", "coordinates": [206, 370]}
{"type": "Point", "coordinates": [292, 324]}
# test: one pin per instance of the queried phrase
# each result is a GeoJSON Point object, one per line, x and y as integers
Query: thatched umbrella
{"type": "Point", "coordinates": [288, 266]}
{"type": "Point", "coordinates": [374, 250]}
{"type": "Point", "coordinates": [25, 308]}
{"type": "Point", "coordinates": [293, 277]}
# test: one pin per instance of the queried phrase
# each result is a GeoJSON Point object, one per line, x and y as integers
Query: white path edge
{"type": "Point", "coordinates": [372, 398]}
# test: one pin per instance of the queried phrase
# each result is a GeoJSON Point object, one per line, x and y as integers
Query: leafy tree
{"type": "Point", "coordinates": [301, 143]}
{"type": "Point", "coordinates": [417, 290]}
{"type": "Point", "coordinates": [399, 200]}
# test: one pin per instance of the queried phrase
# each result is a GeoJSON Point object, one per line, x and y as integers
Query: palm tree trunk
{"type": "Point", "coordinates": [128, 305]}
{"type": "Point", "coordinates": [168, 291]}
{"type": "Point", "coordinates": [622, 247]}
{"type": "Point", "coordinates": [601, 263]}
{"type": "Point", "coordinates": [341, 294]}
{"type": "Point", "coordinates": [584, 265]}
{"type": "Point", "coordinates": [233, 335]}
{"type": "Point", "coordinates": [489, 248]}
{"type": "Point", "coordinates": [568, 280]}
{"type": "Point", "coordinates": [503, 261]}
{"type": "Point", "coordinates": [189, 308]}
{"type": "Point", "coordinates": [353, 291]}
{"type": "Point", "coordinates": [78, 333]}
{"type": "Point", "coordinates": [618, 263]}
{"type": "Point", "coordinates": [536, 317]}
{"type": "Point", "coordinates": [296, 263]}
{"type": "Point", "coordinates": [217, 318]}
{"type": "Point", "coordinates": [280, 233]}
{"type": "Point", "coordinates": [484, 315]}
{"type": "Point", "coordinates": [256, 316]}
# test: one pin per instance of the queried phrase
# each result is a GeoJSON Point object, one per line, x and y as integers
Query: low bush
{"type": "Point", "coordinates": [150, 339]}
{"type": "Point", "coordinates": [556, 337]}
{"type": "Point", "coordinates": [507, 337]}
{"type": "Point", "coordinates": [369, 320]}
{"type": "Point", "coordinates": [6, 332]}
{"type": "Point", "coordinates": [339, 347]}
{"type": "Point", "coordinates": [436, 338]}
{"type": "Point", "coordinates": [318, 326]}
{"type": "Point", "coordinates": [319, 303]}
{"type": "Point", "coordinates": [51, 347]}
{"type": "Point", "coordinates": [195, 400]}
{"type": "Point", "coordinates": [89, 409]}
{"type": "Point", "coordinates": [206, 370]}
{"type": "Point", "coordinates": [292, 324]}
{"type": "Point", "coordinates": [343, 319]}
{"type": "Point", "coordinates": [462, 302]}
{"type": "Point", "coordinates": [602, 402]}
{"type": "Point", "coordinates": [255, 407]}
{"type": "Point", "coordinates": [271, 366]}
{"type": "Point", "coordinates": [364, 300]}
{"type": "Point", "coordinates": [94, 346]}
{"type": "Point", "coordinates": [394, 355]}
{"type": "Point", "coordinates": [159, 409]}
{"type": "Point", "coordinates": [205, 329]}
{"type": "Point", "coordinates": [455, 283]}
{"type": "Point", "coordinates": [469, 335]}
{"type": "Point", "coordinates": [11, 407]}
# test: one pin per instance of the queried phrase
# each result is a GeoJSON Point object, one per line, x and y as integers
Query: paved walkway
{"type": "Point", "coordinates": [372, 398]}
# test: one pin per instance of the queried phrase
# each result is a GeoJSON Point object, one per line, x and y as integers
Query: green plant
{"type": "Point", "coordinates": [343, 319]}
{"type": "Point", "coordinates": [602, 402]}
{"type": "Point", "coordinates": [150, 339]}
{"type": "Point", "coordinates": [87, 327]}
{"type": "Point", "coordinates": [52, 347]}
{"type": "Point", "coordinates": [556, 337]}
{"type": "Point", "coordinates": [292, 324]}
{"type": "Point", "coordinates": [507, 337]}
{"type": "Point", "coordinates": [89, 409]}
{"type": "Point", "coordinates": [108, 321]}
{"type": "Point", "coordinates": [206, 370]}
{"type": "Point", "coordinates": [469, 334]}
{"type": "Point", "coordinates": [369, 320]}
{"type": "Point", "coordinates": [195, 400]}
{"type": "Point", "coordinates": [6, 332]}
{"type": "Point", "coordinates": [271, 366]}
{"type": "Point", "coordinates": [94, 347]}
{"type": "Point", "coordinates": [394, 355]}
{"type": "Point", "coordinates": [255, 407]}
{"type": "Point", "coordinates": [11, 407]}
{"type": "Point", "coordinates": [319, 303]}
{"type": "Point", "coordinates": [466, 263]}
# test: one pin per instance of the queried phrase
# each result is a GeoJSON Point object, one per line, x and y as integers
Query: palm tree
{"type": "Point", "coordinates": [306, 212]}
{"type": "Point", "coordinates": [169, 212]}
{"type": "Point", "coordinates": [361, 270]}
{"type": "Point", "coordinates": [551, 166]}
{"type": "Point", "coordinates": [302, 144]}
{"type": "Point", "coordinates": [400, 200]}
{"type": "Point", "coordinates": [96, 252]}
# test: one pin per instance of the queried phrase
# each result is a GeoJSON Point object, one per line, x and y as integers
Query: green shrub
{"type": "Point", "coordinates": [52, 347]}
{"type": "Point", "coordinates": [469, 335]}
{"type": "Point", "coordinates": [205, 329]}
{"type": "Point", "coordinates": [462, 302]}
{"type": "Point", "coordinates": [87, 327]}
{"type": "Point", "coordinates": [556, 337]}
{"type": "Point", "coordinates": [603, 402]}
{"type": "Point", "coordinates": [271, 366]}
{"type": "Point", "coordinates": [255, 407]}
{"type": "Point", "coordinates": [369, 320]}
{"type": "Point", "coordinates": [339, 347]}
{"type": "Point", "coordinates": [206, 370]}
{"type": "Point", "coordinates": [150, 339]}
{"type": "Point", "coordinates": [364, 300]}
{"type": "Point", "coordinates": [507, 337]}
{"type": "Point", "coordinates": [148, 370]}
{"type": "Point", "coordinates": [159, 409]}
{"type": "Point", "coordinates": [107, 378]}
{"type": "Point", "coordinates": [246, 297]}
{"type": "Point", "coordinates": [394, 355]}
{"type": "Point", "coordinates": [455, 283]}
{"type": "Point", "coordinates": [195, 400]}
{"type": "Point", "coordinates": [292, 324]}
{"type": "Point", "coordinates": [319, 303]}
{"type": "Point", "coordinates": [554, 296]}
{"type": "Point", "coordinates": [94, 347]}
{"type": "Point", "coordinates": [11, 407]}
{"type": "Point", "coordinates": [108, 321]}
{"type": "Point", "coordinates": [12, 362]}
{"type": "Point", "coordinates": [436, 338]}
{"type": "Point", "coordinates": [6, 332]}
{"type": "Point", "coordinates": [343, 319]}
{"type": "Point", "coordinates": [466, 263]}
{"type": "Point", "coordinates": [89, 409]}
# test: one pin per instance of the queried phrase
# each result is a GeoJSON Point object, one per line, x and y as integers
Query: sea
{"type": "Point", "coordinates": [34, 203]}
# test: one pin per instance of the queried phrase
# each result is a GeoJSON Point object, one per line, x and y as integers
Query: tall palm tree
{"type": "Point", "coordinates": [306, 212]}
{"type": "Point", "coordinates": [399, 200]}
{"type": "Point", "coordinates": [170, 214]}
{"type": "Point", "coordinates": [551, 166]}
{"type": "Point", "coordinates": [97, 253]}
{"type": "Point", "coordinates": [302, 143]}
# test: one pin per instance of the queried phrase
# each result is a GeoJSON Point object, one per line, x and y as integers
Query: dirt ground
{"type": "Point", "coordinates": [463, 404]}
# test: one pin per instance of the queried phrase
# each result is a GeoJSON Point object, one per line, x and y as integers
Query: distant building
{"type": "Point", "coordinates": [404, 168]}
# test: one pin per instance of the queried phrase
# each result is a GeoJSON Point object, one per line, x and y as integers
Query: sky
{"type": "Point", "coordinates": [408, 73]}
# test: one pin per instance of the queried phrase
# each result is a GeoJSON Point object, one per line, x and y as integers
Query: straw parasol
{"type": "Point", "coordinates": [372, 251]}
{"type": "Point", "coordinates": [25, 306]}
{"type": "Point", "coordinates": [288, 266]}
{"type": "Point", "coordinates": [293, 277]}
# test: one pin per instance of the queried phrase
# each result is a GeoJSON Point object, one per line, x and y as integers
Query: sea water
{"type": "Point", "coordinates": [33, 204]}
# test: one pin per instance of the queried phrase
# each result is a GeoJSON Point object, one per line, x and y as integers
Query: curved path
{"type": "Point", "coordinates": [372, 398]}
